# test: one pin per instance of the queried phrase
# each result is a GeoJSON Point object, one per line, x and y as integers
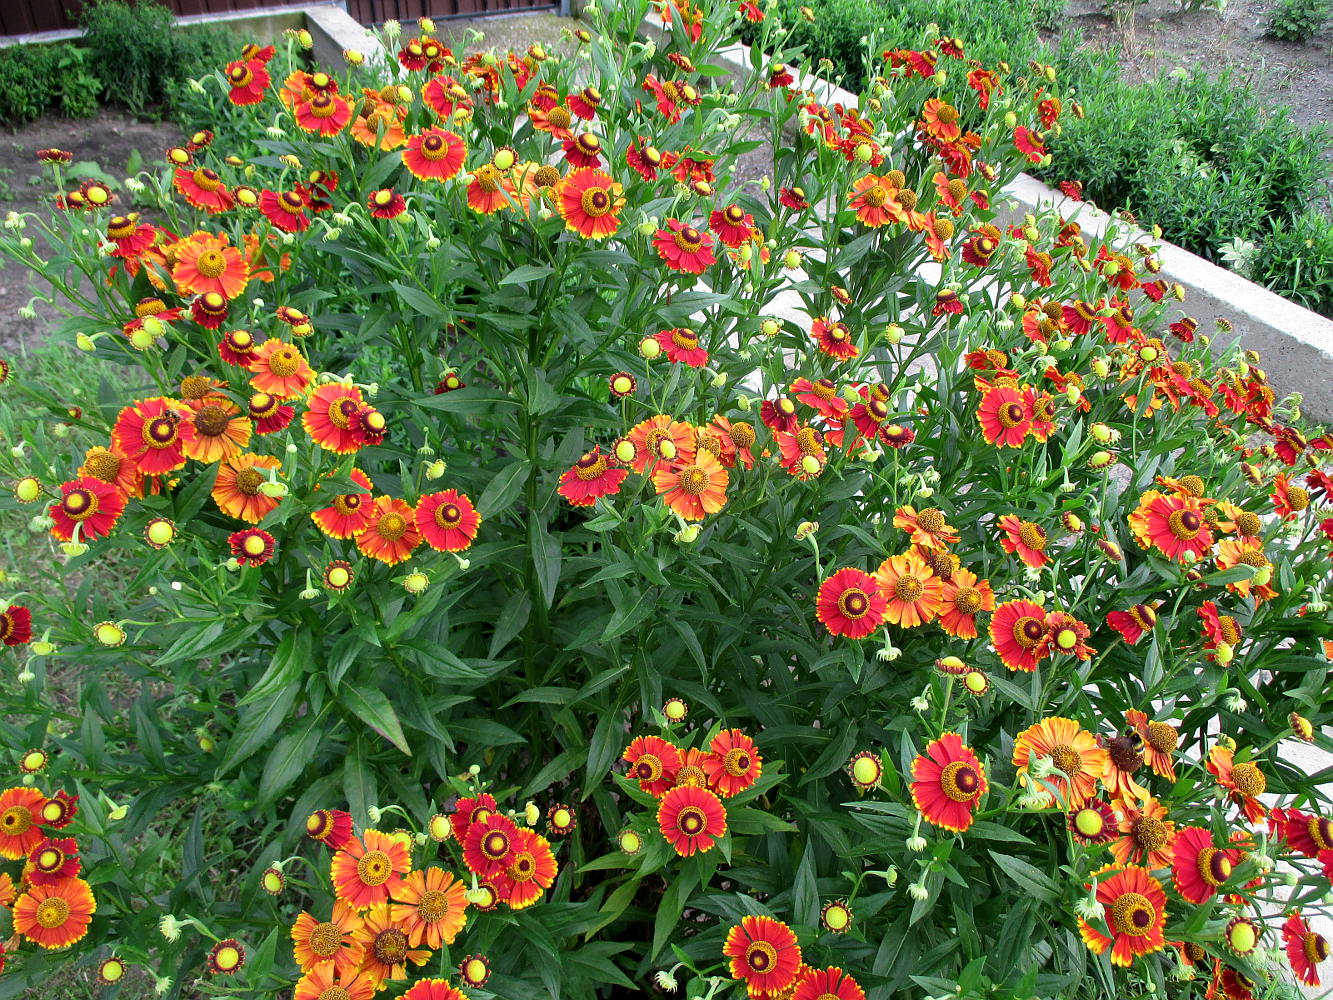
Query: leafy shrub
{"type": "Point", "coordinates": [43, 79]}
{"type": "Point", "coordinates": [476, 475]}
{"type": "Point", "coordinates": [144, 59]}
{"type": "Point", "coordinates": [1295, 259]}
{"type": "Point", "coordinates": [1299, 20]}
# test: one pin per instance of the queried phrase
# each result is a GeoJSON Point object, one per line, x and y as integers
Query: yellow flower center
{"type": "Point", "coordinates": [495, 845]}
{"type": "Point", "coordinates": [334, 993]}
{"type": "Point", "coordinates": [761, 956]}
{"type": "Point", "coordinates": [285, 362]}
{"type": "Point", "coordinates": [1150, 833]}
{"type": "Point", "coordinates": [908, 589]}
{"type": "Point", "coordinates": [648, 767]}
{"type": "Point", "coordinates": [1162, 737]}
{"type": "Point", "coordinates": [211, 263]}
{"type": "Point", "coordinates": [1032, 535]}
{"type": "Point", "coordinates": [79, 505]}
{"type": "Point", "coordinates": [1297, 498]}
{"type": "Point", "coordinates": [212, 421]}
{"type": "Point", "coordinates": [1067, 759]}
{"type": "Point", "coordinates": [391, 526]}
{"type": "Point", "coordinates": [689, 240]}
{"type": "Point", "coordinates": [931, 519]}
{"type": "Point", "coordinates": [590, 466]}
{"type": "Point", "coordinates": [248, 481]}
{"type": "Point", "coordinates": [160, 432]}
{"type": "Point", "coordinates": [853, 603]}
{"type": "Point", "coordinates": [1247, 523]}
{"type": "Point", "coordinates": [433, 906]}
{"type": "Point", "coordinates": [960, 782]}
{"type": "Point", "coordinates": [967, 601]}
{"type": "Point", "coordinates": [103, 465]}
{"type": "Point", "coordinates": [374, 868]}
{"type": "Point", "coordinates": [694, 480]}
{"type": "Point", "coordinates": [875, 196]}
{"type": "Point", "coordinates": [524, 868]}
{"type": "Point", "coordinates": [742, 435]}
{"type": "Point", "coordinates": [52, 912]}
{"type": "Point", "coordinates": [1028, 631]}
{"type": "Point", "coordinates": [1229, 629]}
{"type": "Point", "coordinates": [1132, 915]}
{"type": "Point", "coordinates": [1214, 866]}
{"type": "Point", "coordinates": [325, 939]}
{"type": "Point", "coordinates": [1315, 946]}
{"type": "Point", "coordinates": [560, 117]}
{"type": "Point", "coordinates": [390, 946]}
{"type": "Point", "coordinates": [736, 762]}
{"type": "Point", "coordinates": [1248, 779]}
{"type": "Point", "coordinates": [1184, 524]}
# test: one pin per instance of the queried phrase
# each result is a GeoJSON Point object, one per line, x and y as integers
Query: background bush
{"type": "Point", "coordinates": [44, 79]}
{"type": "Point", "coordinates": [1298, 20]}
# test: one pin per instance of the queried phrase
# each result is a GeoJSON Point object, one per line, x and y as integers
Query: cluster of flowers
{"type": "Point", "coordinates": [691, 784]}
{"type": "Point", "coordinates": [765, 956]}
{"type": "Point", "coordinates": [1095, 780]}
{"type": "Point", "coordinates": [50, 904]}
{"type": "Point", "coordinates": [388, 915]}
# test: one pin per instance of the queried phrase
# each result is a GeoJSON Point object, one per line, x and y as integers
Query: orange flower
{"type": "Point", "coordinates": [365, 872]}
{"type": "Point", "coordinates": [1147, 836]}
{"type": "Point", "coordinates": [874, 202]}
{"type": "Point", "coordinates": [660, 439]}
{"type": "Point", "coordinates": [1244, 782]}
{"type": "Point", "coordinates": [926, 527]}
{"type": "Point", "coordinates": [324, 981]}
{"type": "Point", "coordinates": [1078, 761]}
{"type": "Point", "coordinates": [387, 949]}
{"type": "Point", "coordinates": [693, 489]}
{"type": "Point", "coordinates": [206, 263]}
{"type": "Point", "coordinates": [20, 813]}
{"type": "Point", "coordinates": [1024, 539]}
{"type": "Point", "coordinates": [691, 819]}
{"type": "Point", "coordinates": [329, 943]}
{"type": "Point", "coordinates": [489, 190]}
{"type": "Point", "coordinates": [962, 598]}
{"type": "Point", "coordinates": [764, 953]}
{"type": "Point", "coordinates": [1159, 743]}
{"type": "Point", "coordinates": [914, 593]}
{"type": "Point", "coordinates": [236, 491]}
{"type": "Point", "coordinates": [55, 916]}
{"type": "Point", "coordinates": [280, 369]}
{"type": "Point", "coordinates": [220, 430]}
{"type": "Point", "coordinates": [393, 534]}
{"type": "Point", "coordinates": [435, 155]}
{"type": "Point", "coordinates": [1236, 552]}
{"type": "Point", "coordinates": [430, 906]}
{"type": "Point", "coordinates": [1174, 525]}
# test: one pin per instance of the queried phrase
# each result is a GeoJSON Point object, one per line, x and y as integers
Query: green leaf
{"type": "Point", "coordinates": [546, 562]}
{"type": "Point", "coordinates": [503, 489]}
{"type": "Point", "coordinates": [371, 705]}
{"type": "Point", "coordinates": [421, 302]}
{"type": "Point", "coordinates": [525, 273]}
{"type": "Point", "coordinates": [1034, 882]}
{"type": "Point", "coordinates": [289, 758]}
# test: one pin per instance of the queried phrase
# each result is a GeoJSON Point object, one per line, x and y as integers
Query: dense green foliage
{"type": "Point", "coordinates": [1298, 20]}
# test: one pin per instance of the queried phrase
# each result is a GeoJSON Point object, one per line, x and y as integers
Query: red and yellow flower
{"type": "Point", "coordinates": [87, 505]}
{"type": "Point", "coordinates": [55, 916]}
{"type": "Point", "coordinates": [763, 953]}
{"type": "Point", "coordinates": [830, 983]}
{"type": "Point", "coordinates": [926, 527]}
{"type": "Point", "coordinates": [1134, 907]}
{"type": "Point", "coordinates": [348, 514]}
{"type": "Point", "coordinates": [590, 202]}
{"type": "Point", "coordinates": [1146, 835]}
{"type": "Point", "coordinates": [684, 248]}
{"type": "Point", "coordinates": [1198, 867]}
{"type": "Point", "coordinates": [436, 154]}
{"type": "Point", "coordinates": [590, 478]}
{"type": "Point", "coordinates": [448, 521]}
{"type": "Point", "coordinates": [653, 763]}
{"type": "Point", "coordinates": [733, 763]}
{"type": "Point", "coordinates": [1024, 539]}
{"type": "Point", "coordinates": [1018, 634]}
{"type": "Point", "coordinates": [1006, 416]}
{"type": "Point", "coordinates": [387, 950]}
{"type": "Point", "coordinates": [530, 872]}
{"type": "Point", "coordinates": [323, 981]}
{"type": "Point", "coordinates": [947, 783]}
{"type": "Point", "coordinates": [366, 871]}
{"type": "Point", "coordinates": [1174, 525]}
{"type": "Point", "coordinates": [1305, 949]}
{"type": "Point", "coordinates": [392, 533]}
{"type": "Point", "coordinates": [152, 434]}
{"type": "Point", "coordinates": [851, 603]}
{"type": "Point", "coordinates": [20, 821]}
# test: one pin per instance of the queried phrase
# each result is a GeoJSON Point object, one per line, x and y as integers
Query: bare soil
{"type": "Point", "coordinates": [107, 140]}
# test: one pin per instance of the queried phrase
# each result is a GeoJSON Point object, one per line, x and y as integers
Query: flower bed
{"type": "Point", "coordinates": [484, 583]}
{"type": "Point", "coordinates": [1191, 153]}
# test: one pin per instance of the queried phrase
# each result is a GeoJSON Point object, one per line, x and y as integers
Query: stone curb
{"type": "Point", "coordinates": [1296, 345]}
